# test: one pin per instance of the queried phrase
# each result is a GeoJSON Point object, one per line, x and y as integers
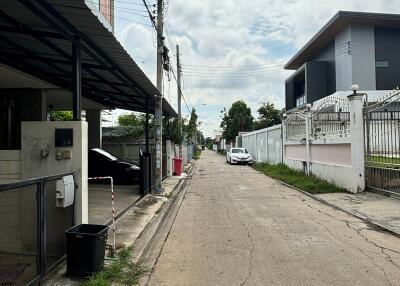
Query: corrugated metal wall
{"type": "Point", "coordinates": [264, 145]}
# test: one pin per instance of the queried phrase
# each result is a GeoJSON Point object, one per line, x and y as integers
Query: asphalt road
{"type": "Point", "coordinates": [236, 226]}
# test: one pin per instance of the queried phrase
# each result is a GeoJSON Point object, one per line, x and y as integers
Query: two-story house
{"type": "Point", "coordinates": [352, 48]}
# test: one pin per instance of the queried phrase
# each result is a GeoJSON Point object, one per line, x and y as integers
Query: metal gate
{"type": "Point", "coordinates": [382, 144]}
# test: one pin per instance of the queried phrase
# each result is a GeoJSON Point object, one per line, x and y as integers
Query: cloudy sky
{"type": "Point", "coordinates": [230, 49]}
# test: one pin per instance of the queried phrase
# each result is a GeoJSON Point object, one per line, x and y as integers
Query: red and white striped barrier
{"type": "Point", "coordinates": [113, 206]}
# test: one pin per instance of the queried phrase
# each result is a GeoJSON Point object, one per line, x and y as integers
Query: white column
{"type": "Point", "coordinates": [307, 119]}
{"type": "Point", "coordinates": [170, 154]}
{"type": "Point", "coordinates": [357, 143]}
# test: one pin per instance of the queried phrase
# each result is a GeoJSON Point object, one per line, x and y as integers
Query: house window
{"type": "Point", "coordinates": [382, 64]}
{"type": "Point", "coordinates": [300, 100]}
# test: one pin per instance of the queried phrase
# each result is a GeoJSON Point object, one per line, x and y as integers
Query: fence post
{"type": "Point", "coordinates": [266, 147]}
{"type": "Point", "coordinates": [41, 227]}
{"type": "Point", "coordinates": [307, 119]}
{"type": "Point", "coordinates": [357, 142]}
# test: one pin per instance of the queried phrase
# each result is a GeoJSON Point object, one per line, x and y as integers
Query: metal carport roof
{"type": "Point", "coordinates": [35, 37]}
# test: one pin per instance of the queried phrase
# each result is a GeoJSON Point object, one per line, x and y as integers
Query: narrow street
{"type": "Point", "coordinates": [239, 227]}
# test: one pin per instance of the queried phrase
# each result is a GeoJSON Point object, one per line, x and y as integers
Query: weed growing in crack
{"type": "Point", "coordinates": [121, 271]}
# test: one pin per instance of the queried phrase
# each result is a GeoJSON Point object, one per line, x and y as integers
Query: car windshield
{"type": "Point", "coordinates": [240, 151]}
{"type": "Point", "coordinates": [105, 154]}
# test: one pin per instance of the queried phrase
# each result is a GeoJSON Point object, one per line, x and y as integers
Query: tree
{"type": "Point", "coordinates": [175, 134]}
{"type": "Point", "coordinates": [209, 143]}
{"type": "Point", "coordinates": [61, 115]}
{"type": "Point", "coordinates": [237, 119]}
{"type": "Point", "coordinates": [130, 126]}
{"type": "Point", "coordinates": [130, 120]}
{"type": "Point", "coordinates": [268, 116]}
{"type": "Point", "coordinates": [191, 127]}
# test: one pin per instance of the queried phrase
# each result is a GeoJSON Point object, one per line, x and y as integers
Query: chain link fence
{"type": "Point", "coordinates": [32, 238]}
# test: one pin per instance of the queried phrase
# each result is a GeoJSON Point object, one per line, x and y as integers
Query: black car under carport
{"type": "Point", "coordinates": [103, 163]}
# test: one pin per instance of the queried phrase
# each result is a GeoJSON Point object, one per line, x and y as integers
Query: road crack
{"type": "Point", "coordinates": [352, 225]}
{"type": "Point", "coordinates": [251, 252]}
{"type": "Point", "coordinates": [387, 256]}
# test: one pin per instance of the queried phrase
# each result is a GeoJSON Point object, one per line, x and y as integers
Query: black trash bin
{"type": "Point", "coordinates": [86, 245]}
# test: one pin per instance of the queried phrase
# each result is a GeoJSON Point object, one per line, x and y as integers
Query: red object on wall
{"type": "Point", "coordinates": [177, 166]}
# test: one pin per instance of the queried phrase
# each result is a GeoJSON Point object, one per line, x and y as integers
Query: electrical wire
{"type": "Point", "coordinates": [183, 96]}
{"type": "Point", "coordinates": [234, 68]}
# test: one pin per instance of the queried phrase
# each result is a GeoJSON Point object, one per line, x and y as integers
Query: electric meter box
{"type": "Point", "coordinates": [65, 189]}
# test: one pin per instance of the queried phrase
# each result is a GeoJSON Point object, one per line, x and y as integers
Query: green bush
{"type": "Point", "coordinates": [196, 154]}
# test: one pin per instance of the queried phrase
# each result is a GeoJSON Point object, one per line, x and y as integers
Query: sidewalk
{"type": "Point", "coordinates": [377, 209]}
{"type": "Point", "coordinates": [128, 227]}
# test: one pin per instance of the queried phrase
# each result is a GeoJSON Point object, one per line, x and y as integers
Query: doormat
{"type": "Point", "coordinates": [10, 273]}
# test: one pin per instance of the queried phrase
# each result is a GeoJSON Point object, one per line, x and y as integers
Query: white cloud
{"type": "Point", "coordinates": [229, 33]}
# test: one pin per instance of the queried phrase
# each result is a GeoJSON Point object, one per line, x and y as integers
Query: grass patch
{"type": "Point", "coordinates": [121, 271]}
{"type": "Point", "coordinates": [196, 154]}
{"type": "Point", "coordinates": [310, 184]}
{"type": "Point", "coordinates": [383, 162]}
{"type": "Point", "coordinates": [159, 210]}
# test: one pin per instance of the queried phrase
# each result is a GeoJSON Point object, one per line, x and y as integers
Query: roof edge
{"type": "Point", "coordinates": [315, 37]}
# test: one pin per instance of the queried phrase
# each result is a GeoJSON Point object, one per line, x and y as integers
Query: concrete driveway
{"type": "Point", "coordinates": [100, 204]}
{"type": "Point", "coordinates": [238, 227]}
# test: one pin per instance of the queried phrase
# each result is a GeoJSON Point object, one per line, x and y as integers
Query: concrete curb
{"type": "Point", "coordinates": [325, 202]}
{"type": "Point", "coordinates": [146, 236]}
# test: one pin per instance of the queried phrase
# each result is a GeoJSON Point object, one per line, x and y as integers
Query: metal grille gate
{"type": "Point", "coordinates": [382, 144]}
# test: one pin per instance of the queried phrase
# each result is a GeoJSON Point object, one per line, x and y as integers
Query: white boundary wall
{"type": "Point", "coordinates": [265, 145]}
{"type": "Point", "coordinates": [336, 158]}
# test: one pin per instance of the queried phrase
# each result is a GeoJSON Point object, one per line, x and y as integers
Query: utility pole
{"type": "Point", "coordinates": [158, 111]}
{"type": "Point", "coordinates": [178, 63]}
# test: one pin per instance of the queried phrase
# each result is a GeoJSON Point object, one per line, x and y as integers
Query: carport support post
{"type": "Point", "coordinates": [147, 144]}
{"type": "Point", "coordinates": [146, 127]}
{"type": "Point", "coordinates": [77, 79]}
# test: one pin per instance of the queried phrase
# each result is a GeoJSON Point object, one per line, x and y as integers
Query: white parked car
{"type": "Point", "coordinates": [239, 156]}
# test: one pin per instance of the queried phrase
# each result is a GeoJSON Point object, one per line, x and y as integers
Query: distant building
{"type": "Point", "coordinates": [104, 9]}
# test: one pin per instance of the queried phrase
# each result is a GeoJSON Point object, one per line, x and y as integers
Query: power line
{"type": "Point", "coordinates": [238, 72]}
{"type": "Point", "coordinates": [183, 96]}
{"type": "Point", "coordinates": [234, 75]}
{"type": "Point", "coordinates": [234, 68]}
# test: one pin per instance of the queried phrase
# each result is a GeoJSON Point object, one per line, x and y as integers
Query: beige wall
{"type": "Point", "coordinates": [36, 136]}
{"type": "Point", "coordinates": [329, 154]}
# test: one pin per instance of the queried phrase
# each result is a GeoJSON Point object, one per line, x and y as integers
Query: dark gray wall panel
{"type": "Point", "coordinates": [387, 48]}
{"type": "Point", "coordinates": [289, 90]}
{"type": "Point", "coordinates": [317, 80]}
{"type": "Point", "coordinates": [328, 55]}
